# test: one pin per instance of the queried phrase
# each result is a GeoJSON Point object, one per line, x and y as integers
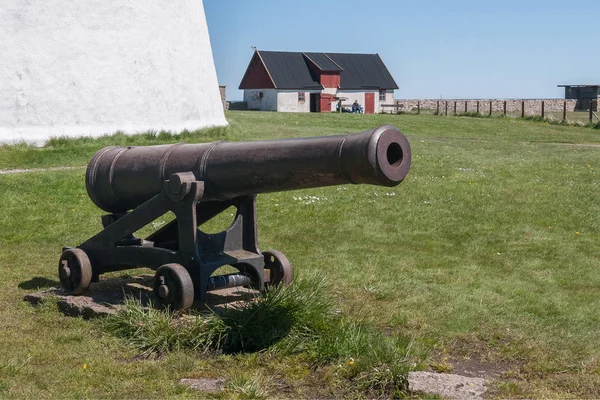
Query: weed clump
{"type": "Point", "coordinates": [158, 332]}
{"type": "Point", "coordinates": [285, 321]}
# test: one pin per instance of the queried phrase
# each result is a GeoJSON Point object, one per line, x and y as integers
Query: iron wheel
{"type": "Point", "coordinates": [75, 271]}
{"type": "Point", "coordinates": [280, 268]}
{"type": "Point", "coordinates": [173, 287]}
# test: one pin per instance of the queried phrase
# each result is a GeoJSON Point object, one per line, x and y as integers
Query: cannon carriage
{"type": "Point", "coordinates": [197, 182]}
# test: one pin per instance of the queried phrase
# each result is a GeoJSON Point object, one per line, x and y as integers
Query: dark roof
{"type": "Point", "coordinates": [578, 85]}
{"type": "Point", "coordinates": [362, 71]}
{"type": "Point", "coordinates": [288, 70]}
{"type": "Point", "coordinates": [323, 62]}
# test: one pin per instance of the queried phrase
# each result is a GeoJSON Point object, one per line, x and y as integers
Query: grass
{"type": "Point", "coordinates": [285, 321]}
{"type": "Point", "coordinates": [573, 118]}
{"type": "Point", "coordinates": [487, 252]}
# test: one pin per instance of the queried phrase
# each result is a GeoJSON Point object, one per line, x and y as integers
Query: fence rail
{"type": "Point", "coordinates": [545, 108]}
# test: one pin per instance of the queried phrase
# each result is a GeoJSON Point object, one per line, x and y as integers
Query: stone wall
{"type": "Point", "coordinates": [237, 105]}
{"type": "Point", "coordinates": [513, 106]}
{"type": "Point", "coordinates": [223, 91]}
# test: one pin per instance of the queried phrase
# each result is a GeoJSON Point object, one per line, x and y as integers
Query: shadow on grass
{"type": "Point", "coordinates": [257, 326]}
{"type": "Point", "coordinates": [38, 283]}
{"type": "Point", "coordinates": [286, 321]}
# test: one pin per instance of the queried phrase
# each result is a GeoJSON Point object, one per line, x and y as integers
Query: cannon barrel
{"type": "Point", "coordinates": [121, 178]}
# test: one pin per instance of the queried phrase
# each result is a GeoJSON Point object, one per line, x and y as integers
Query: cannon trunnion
{"type": "Point", "coordinates": [196, 182]}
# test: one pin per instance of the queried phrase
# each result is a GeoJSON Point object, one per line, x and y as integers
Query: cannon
{"type": "Point", "coordinates": [197, 182]}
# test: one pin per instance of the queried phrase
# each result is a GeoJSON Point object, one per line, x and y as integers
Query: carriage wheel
{"type": "Point", "coordinates": [280, 268]}
{"type": "Point", "coordinates": [74, 271]}
{"type": "Point", "coordinates": [173, 287]}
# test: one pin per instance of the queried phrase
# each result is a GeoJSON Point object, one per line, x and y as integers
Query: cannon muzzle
{"type": "Point", "coordinates": [121, 178]}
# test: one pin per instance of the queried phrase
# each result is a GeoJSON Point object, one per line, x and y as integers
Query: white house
{"type": "Point", "coordinates": [316, 82]}
{"type": "Point", "coordinates": [88, 68]}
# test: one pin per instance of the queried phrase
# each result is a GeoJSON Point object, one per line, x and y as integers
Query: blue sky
{"type": "Point", "coordinates": [434, 49]}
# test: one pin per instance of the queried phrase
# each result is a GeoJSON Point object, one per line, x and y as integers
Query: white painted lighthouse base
{"type": "Point", "coordinates": [91, 68]}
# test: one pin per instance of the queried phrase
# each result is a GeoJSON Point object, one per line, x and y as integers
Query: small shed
{"type": "Point", "coordinates": [585, 95]}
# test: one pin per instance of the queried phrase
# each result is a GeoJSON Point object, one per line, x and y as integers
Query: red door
{"type": "Point", "coordinates": [369, 103]}
{"type": "Point", "coordinates": [326, 100]}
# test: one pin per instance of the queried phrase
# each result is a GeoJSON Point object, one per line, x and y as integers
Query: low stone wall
{"type": "Point", "coordinates": [223, 92]}
{"type": "Point", "coordinates": [237, 105]}
{"type": "Point", "coordinates": [513, 106]}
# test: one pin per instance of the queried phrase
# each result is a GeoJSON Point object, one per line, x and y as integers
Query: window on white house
{"type": "Point", "coordinates": [382, 95]}
{"type": "Point", "coordinates": [301, 97]}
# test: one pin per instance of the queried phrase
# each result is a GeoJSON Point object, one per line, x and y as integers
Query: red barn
{"type": "Point", "coordinates": [316, 82]}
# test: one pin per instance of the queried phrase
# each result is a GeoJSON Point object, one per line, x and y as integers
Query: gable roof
{"type": "Point", "coordinates": [290, 70]}
{"type": "Point", "coordinates": [363, 71]}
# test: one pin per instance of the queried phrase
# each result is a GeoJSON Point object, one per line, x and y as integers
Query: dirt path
{"type": "Point", "coordinates": [24, 171]}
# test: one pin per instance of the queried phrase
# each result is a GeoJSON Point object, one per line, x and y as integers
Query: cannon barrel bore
{"type": "Point", "coordinates": [121, 178]}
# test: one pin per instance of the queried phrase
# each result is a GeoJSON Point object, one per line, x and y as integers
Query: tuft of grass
{"type": "Point", "coordinates": [244, 386]}
{"type": "Point", "coordinates": [157, 331]}
{"type": "Point", "coordinates": [14, 366]}
{"type": "Point", "coordinates": [285, 321]}
{"type": "Point", "coordinates": [119, 138]}
{"type": "Point", "coordinates": [375, 363]}
{"type": "Point", "coordinates": [299, 313]}
{"type": "Point", "coordinates": [594, 125]}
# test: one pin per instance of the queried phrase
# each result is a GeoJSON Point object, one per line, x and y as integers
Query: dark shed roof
{"type": "Point", "coordinates": [288, 70]}
{"type": "Point", "coordinates": [323, 62]}
{"type": "Point", "coordinates": [363, 71]}
{"type": "Point", "coordinates": [578, 85]}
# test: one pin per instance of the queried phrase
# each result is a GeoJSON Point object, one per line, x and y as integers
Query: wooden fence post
{"type": "Point", "coordinates": [490, 108]}
{"type": "Point", "coordinates": [522, 108]}
{"type": "Point", "coordinates": [477, 107]}
{"type": "Point", "coordinates": [505, 108]}
{"type": "Point", "coordinates": [543, 109]}
{"type": "Point", "coordinates": [466, 105]}
{"type": "Point", "coordinates": [437, 110]}
{"type": "Point", "coordinates": [591, 110]}
{"type": "Point", "coordinates": [418, 107]}
{"type": "Point", "coordinates": [565, 111]}
{"type": "Point", "coordinates": [446, 108]}
{"type": "Point", "coordinates": [455, 108]}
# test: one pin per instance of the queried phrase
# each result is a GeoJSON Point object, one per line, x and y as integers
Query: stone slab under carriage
{"type": "Point", "coordinates": [108, 296]}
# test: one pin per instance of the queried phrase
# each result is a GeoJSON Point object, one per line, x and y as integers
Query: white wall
{"type": "Point", "coordinates": [389, 99]}
{"type": "Point", "coordinates": [72, 68]}
{"type": "Point", "coordinates": [287, 101]}
{"type": "Point", "coordinates": [265, 102]}
{"type": "Point", "coordinates": [360, 96]}
{"type": "Point", "coordinates": [351, 96]}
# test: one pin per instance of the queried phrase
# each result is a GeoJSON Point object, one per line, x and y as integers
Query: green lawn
{"type": "Point", "coordinates": [487, 253]}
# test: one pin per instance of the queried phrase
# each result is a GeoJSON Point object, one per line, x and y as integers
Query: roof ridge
{"type": "Point", "coordinates": [312, 61]}
{"type": "Point", "coordinates": [266, 69]}
{"type": "Point", "coordinates": [387, 70]}
{"type": "Point", "coordinates": [339, 66]}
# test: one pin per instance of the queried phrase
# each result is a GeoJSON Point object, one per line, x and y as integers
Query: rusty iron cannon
{"type": "Point", "coordinates": [197, 182]}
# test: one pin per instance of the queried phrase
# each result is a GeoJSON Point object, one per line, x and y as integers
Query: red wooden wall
{"type": "Point", "coordinates": [257, 76]}
{"type": "Point", "coordinates": [330, 79]}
